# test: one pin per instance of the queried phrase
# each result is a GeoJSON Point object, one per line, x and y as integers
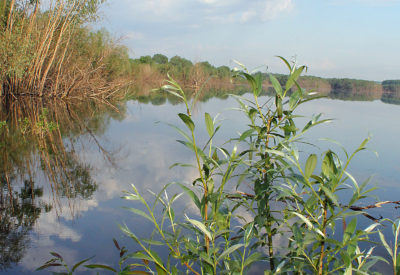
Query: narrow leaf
{"type": "Point", "coordinates": [80, 263]}
{"type": "Point", "coordinates": [385, 244]}
{"type": "Point", "coordinates": [139, 212]}
{"type": "Point", "coordinates": [92, 266]}
{"type": "Point", "coordinates": [187, 120]}
{"type": "Point", "coordinates": [201, 227]}
{"type": "Point", "coordinates": [191, 194]}
{"type": "Point", "coordinates": [209, 124]}
{"type": "Point", "coordinates": [311, 163]}
{"type": "Point", "coordinates": [229, 251]}
{"type": "Point", "coordinates": [277, 86]}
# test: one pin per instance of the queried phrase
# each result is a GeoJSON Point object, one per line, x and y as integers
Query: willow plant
{"type": "Point", "coordinates": [289, 200]}
{"type": "Point", "coordinates": [221, 249]}
{"type": "Point", "coordinates": [271, 129]}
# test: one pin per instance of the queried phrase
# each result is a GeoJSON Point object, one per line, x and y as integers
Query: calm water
{"type": "Point", "coordinates": [104, 151]}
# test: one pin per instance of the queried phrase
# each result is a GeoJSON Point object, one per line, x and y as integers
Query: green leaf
{"type": "Point", "coordinates": [385, 244]}
{"type": "Point", "coordinates": [277, 86]}
{"type": "Point", "coordinates": [140, 255]}
{"type": "Point", "coordinates": [48, 265]}
{"type": "Point", "coordinates": [286, 62]}
{"type": "Point", "coordinates": [256, 256]}
{"type": "Point", "coordinates": [246, 134]}
{"type": "Point", "coordinates": [139, 212]}
{"type": "Point", "coordinates": [330, 195]}
{"type": "Point", "coordinates": [201, 227]}
{"type": "Point", "coordinates": [209, 124]}
{"type": "Point", "coordinates": [206, 258]}
{"type": "Point", "coordinates": [304, 219]}
{"type": "Point", "coordinates": [328, 165]}
{"type": "Point", "coordinates": [351, 227]}
{"type": "Point", "coordinates": [80, 263]}
{"type": "Point", "coordinates": [248, 232]}
{"type": "Point", "coordinates": [160, 270]}
{"type": "Point", "coordinates": [191, 194]}
{"type": "Point", "coordinates": [153, 242]}
{"type": "Point", "coordinates": [294, 98]}
{"type": "Point", "coordinates": [293, 77]}
{"type": "Point", "coordinates": [126, 230]}
{"type": "Point", "coordinates": [279, 107]}
{"type": "Point", "coordinates": [187, 120]}
{"type": "Point", "coordinates": [92, 266]}
{"type": "Point", "coordinates": [349, 270]}
{"type": "Point", "coordinates": [349, 230]}
{"type": "Point", "coordinates": [258, 80]}
{"type": "Point", "coordinates": [57, 255]}
{"type": "Point", "coordinates": [308, 223]}
{"type": "Point", "coordinates": [229, 251]}
{"type": "Point", "coordinates": [311, 163]}
{"type": "Point", "coordinates": [157, 260]}
{"type": "Point", "coordinates": [252, 81]}
{"type": "Point", "coordinates": [371, 227]}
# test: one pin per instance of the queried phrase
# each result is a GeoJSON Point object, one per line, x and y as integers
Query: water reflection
{"type": "Point", "coordinates": [19, 209]}
{"type": "Point", "coordinates": [388, 95]}
{"type": "Point", "coordinates": [38, 150]}
{"type": "Point", "coordinates": [44, 175]}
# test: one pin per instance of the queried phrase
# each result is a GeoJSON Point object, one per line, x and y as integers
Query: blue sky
{"type": "Point", "coordinates": [334, 38]}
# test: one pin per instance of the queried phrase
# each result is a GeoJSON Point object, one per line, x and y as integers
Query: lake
{"type": "Point", "coordinates": [67, 182]}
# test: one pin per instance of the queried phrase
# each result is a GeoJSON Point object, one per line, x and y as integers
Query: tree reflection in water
{"type": "Point", "coordinates": [19, 210]}
{"type": "Point", "coordinates": [37, 153]}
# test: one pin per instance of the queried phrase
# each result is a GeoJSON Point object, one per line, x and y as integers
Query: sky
{"type": "Point", "coordinates": [334, 38]}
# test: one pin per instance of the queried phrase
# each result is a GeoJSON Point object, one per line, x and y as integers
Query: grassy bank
{"type": "Point", "coordinates": [48, 50]}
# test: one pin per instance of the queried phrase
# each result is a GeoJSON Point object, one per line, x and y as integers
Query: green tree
{"type": "Point", "coordinates": [180, 67]}
{"type": "Point", "coordinates": [160, 59]}
{"type": "Point", "coordinates": [145, 59]}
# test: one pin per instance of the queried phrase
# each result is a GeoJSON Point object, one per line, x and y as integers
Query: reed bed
{"type": "Point", "coordinates": [46, 50]}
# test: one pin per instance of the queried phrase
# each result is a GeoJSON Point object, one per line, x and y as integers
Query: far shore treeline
{"type": "Point", "coordinates": [149, 72]}
{"type": "Point", "coordinates": [49, 50]}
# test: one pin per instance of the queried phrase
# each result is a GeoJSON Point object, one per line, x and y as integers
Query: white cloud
{"type": "Point", "coordinates": [366, 2]}
{"type": "Point", "coordinates": [48, 225]}
{"type": "Point", "coordinates": [246, 11]}
{"type": "Point", "coordinates": [206, 11]}
{"type": "Point", "coordinates": [134, 36]}
{"type": "Point", "coordinates": [274, 8]}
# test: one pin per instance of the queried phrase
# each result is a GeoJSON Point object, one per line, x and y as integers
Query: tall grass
{"type": "Point", "coordinates": [44, 50]}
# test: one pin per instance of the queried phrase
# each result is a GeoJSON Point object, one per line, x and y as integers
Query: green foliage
{"type": "Point", "coordinates": [160, 59]}
{"type": "Point", "coordinates": [46, 48]}
{"type": "Point", "coordinates": [14, 55]}
{"type": "Point", "coordinates": [146, 59]}
{"type": "Point", "coordinates": [391, 86]}
{"type": "Point", "coordinates": [393, 250]}
{"type": "Point", "coordinates": [58, 260]}
{"type": "Point", "coordinates": [286, 198]}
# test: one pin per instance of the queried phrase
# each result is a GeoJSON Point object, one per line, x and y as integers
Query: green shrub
{"type": "Point", "coordinates": [287, 199]}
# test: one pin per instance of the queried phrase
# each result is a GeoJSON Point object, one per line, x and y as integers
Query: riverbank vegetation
{"type": "Point", "coordinates": [149, 72]}
{"type": "Point", "coordinates": [48, 50]}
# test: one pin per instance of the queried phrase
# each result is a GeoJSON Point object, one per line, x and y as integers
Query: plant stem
{"type": "Point", "coordinates": [191, 269]}
{"type": "Point", "coordinates": [322, 254]}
